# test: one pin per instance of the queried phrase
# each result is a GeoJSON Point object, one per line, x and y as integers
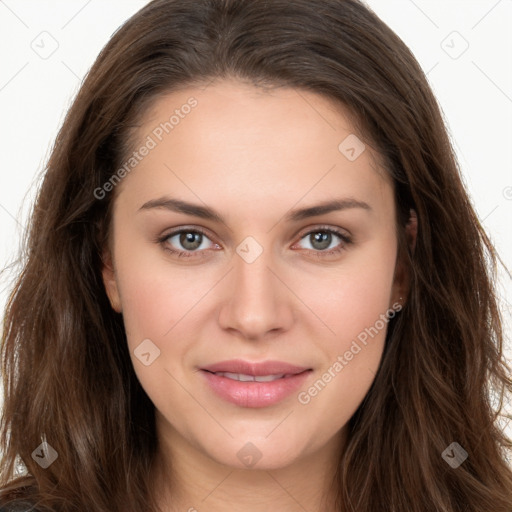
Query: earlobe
{"type": "Point", "coordinates": [109, 281]}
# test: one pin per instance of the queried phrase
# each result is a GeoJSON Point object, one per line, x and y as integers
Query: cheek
{"type": "Point", "coordinates": [357, 310]}
{"type": "Point", "coordinates": [149, 306]}
{"type": "Point", "coordinates": [353, 297]}
{"type": "Point", "coordinates": [158, 307]}
{"type": "Point", "coordinates": [157, 297]}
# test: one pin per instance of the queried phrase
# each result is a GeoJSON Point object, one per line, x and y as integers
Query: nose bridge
{"type": "Point", "coordinates": [254, 283]}
{"type": "Point", "coordinates": [256, 304]}
{"type": "Point", "coordinates": [253, 279]}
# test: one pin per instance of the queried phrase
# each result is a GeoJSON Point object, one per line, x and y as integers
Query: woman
{"type": "Point", "coordinates": [255, 280]}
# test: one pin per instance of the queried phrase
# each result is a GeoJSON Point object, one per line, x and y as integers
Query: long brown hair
{"type": "Point", "coordinates": [67, 373]}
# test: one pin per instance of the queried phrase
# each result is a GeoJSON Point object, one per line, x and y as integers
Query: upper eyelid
{"type": "Point", "coordinates": [322, 227]}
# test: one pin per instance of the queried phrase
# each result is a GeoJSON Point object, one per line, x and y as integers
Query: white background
{"type": "Point", "coordinates": [473, 86]}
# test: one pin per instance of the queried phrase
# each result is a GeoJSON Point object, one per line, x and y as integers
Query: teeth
{"type": "Point", "coordinates": [249, 378]}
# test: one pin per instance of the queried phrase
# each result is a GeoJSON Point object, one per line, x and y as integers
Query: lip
{"type": "Point", "coordinates": [255, 394]}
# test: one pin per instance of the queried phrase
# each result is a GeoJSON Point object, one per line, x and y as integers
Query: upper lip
{"type": "Point", "coordinates": [255, 369]}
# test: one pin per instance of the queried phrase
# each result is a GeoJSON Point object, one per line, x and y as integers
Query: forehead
{"type": "Point", "coordinates": [233, 140]}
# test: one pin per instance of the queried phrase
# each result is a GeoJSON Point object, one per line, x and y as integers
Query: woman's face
{"type": "Point", "coordinates": [263, 281]}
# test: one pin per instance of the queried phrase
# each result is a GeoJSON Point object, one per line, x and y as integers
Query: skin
{"type": "Point", "coordinates": [252, 156]}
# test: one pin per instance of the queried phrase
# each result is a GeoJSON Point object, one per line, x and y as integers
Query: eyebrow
{"type": "Point", "coordinates": [204, 212]}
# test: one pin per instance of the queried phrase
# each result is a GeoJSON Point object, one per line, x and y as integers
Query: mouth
{"type": "Point", "coordinates": [241, 377]}
{"type": "Point", "coordinates": [254, 385]}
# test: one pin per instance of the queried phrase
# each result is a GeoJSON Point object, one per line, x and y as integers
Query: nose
{"type": "Point", "coordinates": [257, 300]}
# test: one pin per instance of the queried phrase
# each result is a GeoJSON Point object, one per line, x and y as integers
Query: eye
{"type": "Point", "coordinates": [322, 241]}
{"type": "Point", "coordinates": [186, 242]}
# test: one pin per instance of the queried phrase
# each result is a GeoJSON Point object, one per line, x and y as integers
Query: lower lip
{"type": "Point", "coordinates": [255, 394]}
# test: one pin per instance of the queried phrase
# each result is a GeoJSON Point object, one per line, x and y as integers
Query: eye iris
{"type": "Point", "coordinates": [190, 241]}
{"type": "Point", "coordinates": [323, 238]}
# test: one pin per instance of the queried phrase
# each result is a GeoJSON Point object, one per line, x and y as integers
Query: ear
{"type": "Point", "coordinates": [110, 282]}
{"type": "Point", "coordinates": [402, 272]}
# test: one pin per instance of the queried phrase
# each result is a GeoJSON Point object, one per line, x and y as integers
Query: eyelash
{"type": "Point", "coordinates": [345, 240]}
